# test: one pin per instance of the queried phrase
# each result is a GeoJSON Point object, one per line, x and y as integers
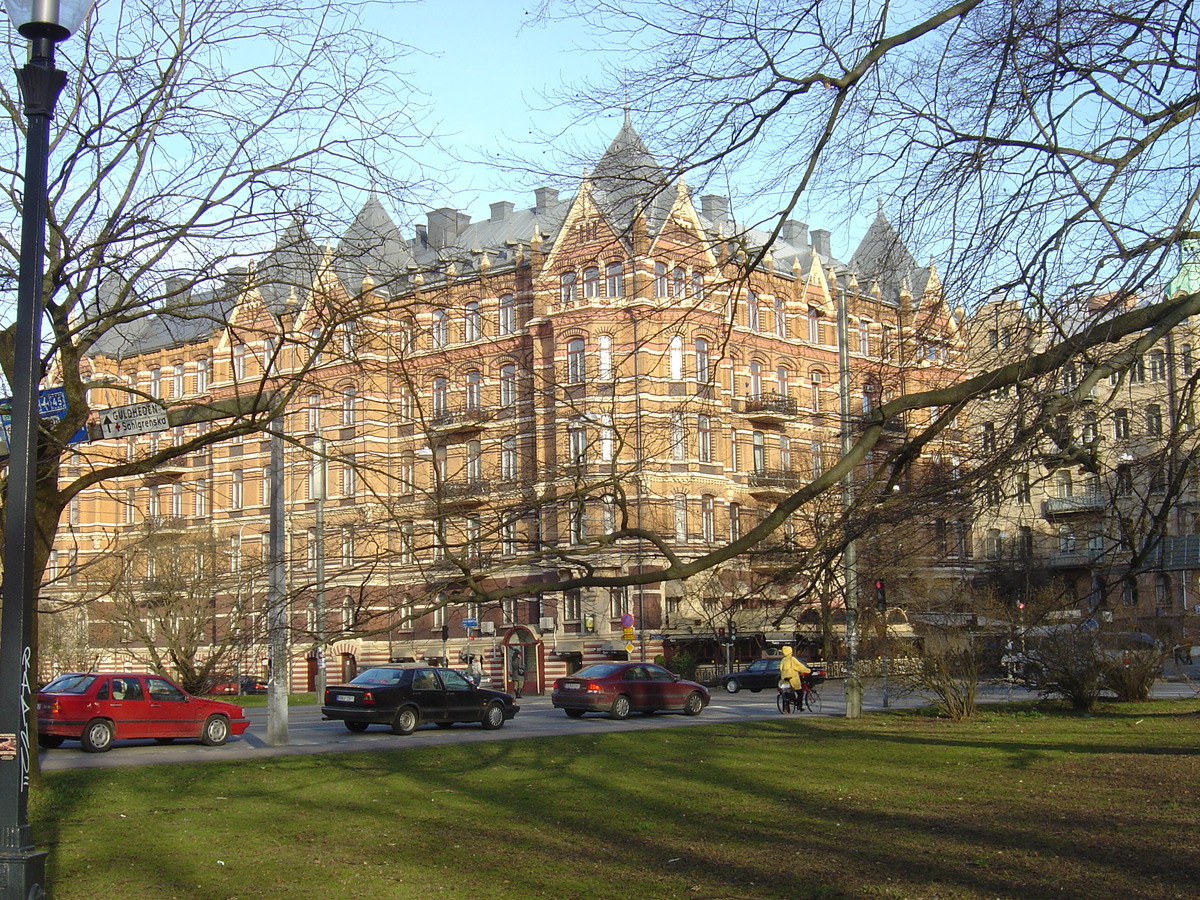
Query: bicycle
{"type": "Point", "coordinates": [786, 700]}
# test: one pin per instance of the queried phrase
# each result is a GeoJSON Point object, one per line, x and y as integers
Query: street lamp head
{"type": "Point", "coordinates": [53, 19]}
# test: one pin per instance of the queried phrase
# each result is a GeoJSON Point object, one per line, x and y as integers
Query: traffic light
{"type": "Point", "coordinates": [732, 632]}
{"type": "Point", "coordinates": [721, 638]}
{"type": "Point", "coordinates": [880, 596]}
{"type": "Point", "coordinates": [445, 632]}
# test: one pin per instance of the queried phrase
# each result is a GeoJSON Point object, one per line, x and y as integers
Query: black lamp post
{"type": "Point", "coordinates": [44, 23]}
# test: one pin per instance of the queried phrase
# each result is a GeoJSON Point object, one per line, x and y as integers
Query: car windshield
{"type": "Point", "coordinates": [379, 676]}
{"type": "Point", "coordinates": [69, 684]}
{"type": "Point", "coordinates": [599, 670]}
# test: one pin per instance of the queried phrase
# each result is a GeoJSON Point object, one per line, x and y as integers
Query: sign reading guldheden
{"type": "Point", "coordinates": [137, 418]}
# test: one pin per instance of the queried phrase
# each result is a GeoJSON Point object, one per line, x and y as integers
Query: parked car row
{"type": "Point", "coordinates": [97, 709]}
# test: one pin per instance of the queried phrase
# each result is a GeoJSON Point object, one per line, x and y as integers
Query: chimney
{"type": "Point", "coordinates": [820, 243]}
{"type": "Point", "coordinates": [500, 211]}
{"type": "Point", "coordinates": [543, 198]}
{"type": "Point", "coordinates": [795, 233]}
{"type": "Point", "coordinates": [715, 208]}
{"type": "Point", "coordinates": [446, 226]}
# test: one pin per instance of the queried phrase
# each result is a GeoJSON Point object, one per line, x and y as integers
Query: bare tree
{"type": "Point", "coordinates": [194, 137]}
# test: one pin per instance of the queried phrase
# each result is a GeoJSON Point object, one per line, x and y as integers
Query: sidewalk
{"type": "Point", "coordinates": [1173, 671]}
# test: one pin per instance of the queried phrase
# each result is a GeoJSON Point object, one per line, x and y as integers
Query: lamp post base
{"type": "Point", "coordinates": [23, 875]}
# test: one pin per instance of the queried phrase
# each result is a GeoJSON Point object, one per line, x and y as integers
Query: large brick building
{"type": "Point", "coordinates": [492, 401]}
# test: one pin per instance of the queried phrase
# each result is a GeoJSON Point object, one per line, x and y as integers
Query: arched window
{"type": "Point", "coordinates": [591, 282]}
{"type": "Point", "coordinates": [675, 357]}
{"type": "Point", "coordinates": [780, 318]}
{"type": "Point", "coordinates": [661, 287]}
{"type": "Point", "coordinates": [474, 462]}
{"type": "Point", "coordinates": [759, 445]}
{"type": "Point", "coordinates": [814, 327]}
{"type": "Point", "coordinates": [755, 379]}
{"type": "Point", "coordinates": [441, 395]}
{"type": "Point", "coordinates": [474, 381]}
{"type": "Point", "coordinates": [566, 287]}
{"type": "Point", "coordinates": [614, 280]}
{"type": "Point", "coordinates": [785, 453]}
{"type": "Point", "coordinates": [472, 321]}
{"type": "Point", "coordinates": [1162, 590]}
{"type": "Point", "coordinates": [678, 282]}
{"type": "Point", "coordinates": [604, 360]}
{"type": "Point", "coordinates": [508, 384]}
{"type": "Point", "coordinates": [508, 458]}
{"type": "Point", "coordinates": [680, 518]}
{"type": "Point", "coordinates": [438, 332]}
{"type": "Point", "coordinates": [752, 312]}
{"type": "Point", "coordinates": [1129, 592]}
{"type": "Point", "coordinates": [349, 406]}
{"type": "Point", "coordinates": [576, 361]}
{"type": "Point", "coordinates": [507, 322]}
{"type": "Point", "coordinates": [678, 437]}
{"type": "Point", "coordinates": [697, 286]}
{"type": "Point", "coordinates": [708, 528]}
{"type": "Point", "coordinates": [702, 361]}
{"type": "Point", "coordinates": [816, 378]}
{"type": "Point", "coordinates": [781, 381]}
{"type": "Point", "coordinates": [704, 438]}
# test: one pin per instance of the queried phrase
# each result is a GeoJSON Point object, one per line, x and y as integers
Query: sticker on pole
{"type": "Point", "coordinates": [137, 418]}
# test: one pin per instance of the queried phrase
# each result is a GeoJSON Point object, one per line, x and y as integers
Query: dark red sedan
{"type": "Point", "coordinates": [622, 687]}
{"type": "Point", "coordinates": [96, 709]}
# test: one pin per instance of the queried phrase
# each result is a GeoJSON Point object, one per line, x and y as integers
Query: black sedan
{"type": "Point", "coordinates": [406, 697]}
{"type": "Point", "coordinates": [620, 688]}
{"type": "Point", "coordinates": [763, 673]}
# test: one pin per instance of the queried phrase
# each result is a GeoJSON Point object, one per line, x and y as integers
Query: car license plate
{"type": "Point", "coordinates": [570, 687]}
{"type": "Point", "coordinates": [345, 698]}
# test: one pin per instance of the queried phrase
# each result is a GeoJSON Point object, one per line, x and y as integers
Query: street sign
{"type": "Point", "coordinates": [629, 648]}
{"type": "Point", "coordinates": [627, 633]}
{"type": "Point", "coordinates": [627, 620]}
{"type": "Point", "coordinates": [52, 407]}
{"type": "Point", "coordinates": [470, 623]}
{"type": "Point", "coordinates": [137, 418]}
{"type": "Point", "coordinates": [1089, 625]}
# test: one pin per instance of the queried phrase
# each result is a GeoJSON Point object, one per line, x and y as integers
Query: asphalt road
{"type": "Point", "coordinates": [308, 734]}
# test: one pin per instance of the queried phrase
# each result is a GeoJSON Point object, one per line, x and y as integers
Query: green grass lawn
{"type": "Point", "coordinates": [1020, 803]}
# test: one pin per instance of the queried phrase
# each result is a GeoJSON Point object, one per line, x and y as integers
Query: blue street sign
{"type": "Point", "coordinates": [52, 407]}
{"type": "Point", "coordinates": [470, 623]}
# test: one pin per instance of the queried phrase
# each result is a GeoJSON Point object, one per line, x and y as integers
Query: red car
{"type": "Point", "coordinates": [96, 709]}
{"type": "Point", "coordinates": [620, 688]}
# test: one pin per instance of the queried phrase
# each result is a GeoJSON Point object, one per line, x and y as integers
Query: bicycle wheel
{"type": "Point", "coordinates": [812, 700]}
{"type": "Point", "coordinates": [782, 703]}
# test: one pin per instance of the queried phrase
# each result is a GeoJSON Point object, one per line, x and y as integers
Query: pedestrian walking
{"type": "Point", "coordinates": [516, 671]}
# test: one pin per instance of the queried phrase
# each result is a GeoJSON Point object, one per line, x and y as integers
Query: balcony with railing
{"type": "Point", "coordinates": [773, 482]}
{"type": "Point", "coordinates": [769, 406]}
{"type": "Point", "coordinates": [462, 417]}
{"type": "Point", "coordinates": [1075, 505]}
{"type": "Point", "coordinates": [1082, 558]}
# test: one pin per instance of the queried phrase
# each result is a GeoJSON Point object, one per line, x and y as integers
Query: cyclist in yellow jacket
{"type": "Point", "coordinates": [792, 670]}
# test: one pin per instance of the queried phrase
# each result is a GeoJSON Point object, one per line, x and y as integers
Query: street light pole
{"type": "Point", "coordinates": [320, 491]}
{"type": "Point", "coordinates": [854, 687]}
{"type": "Point", "coordinates": [44, 23]}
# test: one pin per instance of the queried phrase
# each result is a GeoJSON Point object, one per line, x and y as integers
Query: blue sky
{"type": "Point", "coordinates": [489, 73]}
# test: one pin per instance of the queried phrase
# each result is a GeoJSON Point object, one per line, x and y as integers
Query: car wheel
{"type": "Point", "coordinates": [574, 713]}
{"type": "Point", "coordinates": [97, 736]}
{"type": "Point", "coordinates": [356, 727]}
{"type": "Point", "coordinates": [50, 741]}
{"type": "Point", "coordinates": [216, 731]}
{"type": "Point", "coordinates": [493, 717]}
{"type": "Point", "coordinates": [732, 685]}
{"type": "Point", "coordinates": [620, 707]}
{"type": "Point", "coordinates": [406, 721]}
{"type": "Point", "coordinates": [164, 740]}
{"type": "Point", "coordinates": [694, 704]}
